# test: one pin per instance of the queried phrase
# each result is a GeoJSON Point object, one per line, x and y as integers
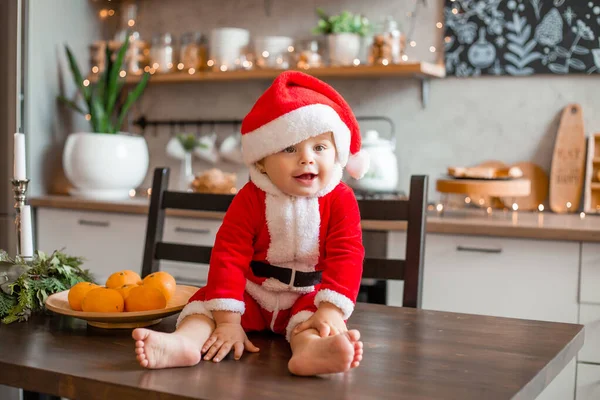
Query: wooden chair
{"type": "Point", "coordinates": [162, 199]}
{"type": "Point", "coordinates": [413, 211]}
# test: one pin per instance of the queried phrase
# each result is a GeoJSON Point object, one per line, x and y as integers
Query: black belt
{"type": "Point", "coordinates": [301, 279]}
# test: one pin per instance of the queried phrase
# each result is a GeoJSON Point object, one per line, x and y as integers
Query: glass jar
{"type": "Point", "coordinates": [162, 53]}
{"type": "Point", "coordinates": [389, 44]}
{"type": "Point", "coordinates": [192, 52]}
{"type": "Point", "coordinates": [308, 55]}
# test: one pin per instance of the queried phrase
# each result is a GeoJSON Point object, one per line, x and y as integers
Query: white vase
{"type": "Point", "coordinates": [105, 166]}
{"type": "Point", "coordinates": [344, 48]}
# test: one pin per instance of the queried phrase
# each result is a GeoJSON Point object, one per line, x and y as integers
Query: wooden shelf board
{"type": "Point", "coordinates": [595, 185]}
{"type": "Point", "coordinates": [596, 160]}
{"type": "Point", "coordinates": [409, 69]}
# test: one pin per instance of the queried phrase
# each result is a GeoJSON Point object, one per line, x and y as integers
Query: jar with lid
{"type": "Point", "coordinates": [308, 54]}
{"type": "Point", "coordinates": [162, 53]}
{"type": "Point", "coordinates": [192, 52]}
{"type": "Point", "coordinates": [389, 44]}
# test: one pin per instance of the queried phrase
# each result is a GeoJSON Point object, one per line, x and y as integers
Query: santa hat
{"type": "Point", "coordinates": [296, 107]}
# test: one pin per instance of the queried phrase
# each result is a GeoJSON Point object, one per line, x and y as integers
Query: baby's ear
{"type": "Point", "coordinates": [260, 166]}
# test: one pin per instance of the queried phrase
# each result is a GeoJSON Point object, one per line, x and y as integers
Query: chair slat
{"type": "Point", "coordinates": [196, 201]}
{"type": "Point", "coordinates": [384, 210]}
{"type": "Point", "coordinates": [182, 252]}
{"type": "Point", "coordinates": [380, 268]}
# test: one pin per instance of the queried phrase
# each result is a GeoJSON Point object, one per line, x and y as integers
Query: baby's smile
{"type": "Point", "coordinates": [306, 178]}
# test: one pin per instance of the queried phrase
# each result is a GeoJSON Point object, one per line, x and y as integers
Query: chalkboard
{"type": "Point", "coordinates": [521, 37]}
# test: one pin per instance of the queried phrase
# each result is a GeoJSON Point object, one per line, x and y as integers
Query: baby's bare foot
{"type": "Point", "coordinates": [164, 350]}
{"type": "Point", "coordinates": [327, 355]}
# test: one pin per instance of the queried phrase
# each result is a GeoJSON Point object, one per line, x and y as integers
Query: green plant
{"type": "Point", "coordinates": [345, 22]}
{"type": "Point", "coordinates": [101, 97]}
{"type": "Point", "coordinates": [189, 141]}
{"type": "Point", "coordinates": [27, 284]}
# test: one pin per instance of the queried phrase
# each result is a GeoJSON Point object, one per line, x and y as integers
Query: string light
{"type": "Point", "coordinates": [103, 13]}
{"type": "Point", "coordinates": [132, 193]}
{"type": "Point", "coordinates": [432, 49]}
{"type": "Point", "coordinates": [582, 215]}
{"type": "Point", "coordinates": [265, 54]}
{"type": "Point", "coordinates": [210, 63]}
{"type": "Point", "coordinates": [180, 66]}
{"type": "Point", "coordinates": [356, 61]}
{"type": "Point", "coordinates": [95, 69]}
{"type": "Point", "coordinates": [404, 57]}
{"type": "Point", "coordinates": [541, 208]}
{"type": "Point", "coordinates": [439, 25]}
{"type": "Point", "coordinates": [122, 74]}
{"type": "Point", "coordinates": [413, 43]}
{"type": "Point", "coordinates": [223, 68]}
{"type": "Point", "coordinates": [290, 49]}
{"type": "Point", "coordinates": [385, 62]}
{"type": "Point", "coordinates": [131, 22]}
{"type": "Point", "coordinates": [467, 200]}
{"type": "Point", "coordinates": [111, 12]}
{"type": "Point", "coordinates": [439, 207]}
{"type": "Point", "coordinates": [86, 82]}
{"type": "Point", "coordinates": [515, 206]}
{"type": "Point", "coordinates": [191, 71]}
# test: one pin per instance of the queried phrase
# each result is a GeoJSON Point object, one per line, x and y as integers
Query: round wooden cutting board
{"type": "Point", "coordinates": [539, 187]}
{"type": "Point", "coordinates": [568, 161]}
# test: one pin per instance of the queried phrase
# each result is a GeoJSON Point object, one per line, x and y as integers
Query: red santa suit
{"type": "Point", "coordinates": [277, 257]}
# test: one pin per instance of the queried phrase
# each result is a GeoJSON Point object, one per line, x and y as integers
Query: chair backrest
{"type": "Point", "coordinates": [160, 200]}
{"type": "Point", "coordinates": [413, 211]}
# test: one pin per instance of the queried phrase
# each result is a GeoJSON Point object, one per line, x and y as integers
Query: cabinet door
{"type": "Point", "coordinates": [588, 382]}
{"type": "Point", "coordinates": [590, 273]}
{"type": "Point", "coordinates": [518, 278]}
{"type": "Point", "coordinates": [589, 315]}
{"type": "Point", "coordinates": [109, 242]}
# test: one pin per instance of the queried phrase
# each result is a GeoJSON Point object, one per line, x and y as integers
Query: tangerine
{"type": "Point", "coordinates": [103, 300]}
{"type": "Point", "coordinates": [125, 289]}
{"type": "Point", "coordinates": [78, 292]}
{"type": "Point", "coordinates": [145, 298]}
{"type": "Point", "coordinates": [121, 278]}
{"type": "Point", "coordinates": [163, 281]}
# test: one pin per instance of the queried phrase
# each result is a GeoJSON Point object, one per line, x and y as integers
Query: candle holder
{"type": "Point", "coordinates": [20, 191]}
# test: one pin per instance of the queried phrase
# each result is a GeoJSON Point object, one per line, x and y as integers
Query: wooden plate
{"type": "Point", "coordinates": [59, 304]}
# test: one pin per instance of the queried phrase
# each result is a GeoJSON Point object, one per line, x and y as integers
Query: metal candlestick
{"type": "Point", "coordinates": [20, 190]}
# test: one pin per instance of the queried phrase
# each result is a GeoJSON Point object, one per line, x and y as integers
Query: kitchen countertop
{"type": "Point", "coordinates": [532, 225]}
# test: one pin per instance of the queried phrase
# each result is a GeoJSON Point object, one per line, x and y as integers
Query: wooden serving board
{"type": "Point", "coordinates": [539, 187]}
{"type": "Point", "coordinates": [568, 161]}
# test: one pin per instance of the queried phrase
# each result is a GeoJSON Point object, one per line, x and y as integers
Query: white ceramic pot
{"type": "Point", "coordinates": [382, 175]}
{"type": "Point", "coordinates": [105, 166]}
{"type": "Point", "coordinates": [344, 48]}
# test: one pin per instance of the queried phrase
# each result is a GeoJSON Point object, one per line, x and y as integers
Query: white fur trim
{"type": "Point", "coordinates": [226, 305]}
{"type": "Point", "coordinates": [195, 307]}
{"type": "Point", "coordinates": [270, 300]}
{"type": "Point", "coordinates": [296, 319]}
{"type": "Point", "coordinates": [358, 164]}
{"type": "Point", "coordinates": [337, 299]}
{"type": "Point", "coordinates": [294, 224]}
{"type": "Point", "coordinates": [294, 127]}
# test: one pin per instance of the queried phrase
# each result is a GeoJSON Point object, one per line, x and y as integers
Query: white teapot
{"type": "Point", "coordinates": [382, 175]}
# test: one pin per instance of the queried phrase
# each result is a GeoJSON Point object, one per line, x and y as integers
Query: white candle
{"type": "Point", "coordinates": [19, 172]}
{"type": "Point", "coordinates": [26, 232]}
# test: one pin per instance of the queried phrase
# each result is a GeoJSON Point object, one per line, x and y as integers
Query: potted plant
{"type": "Point", "coordinates": [105, 163]}
{"type": "Point", "coordinates": [344, 33]}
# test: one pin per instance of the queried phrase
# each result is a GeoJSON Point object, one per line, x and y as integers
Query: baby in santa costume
{"type": "Point", "coordinates": [288, 256]}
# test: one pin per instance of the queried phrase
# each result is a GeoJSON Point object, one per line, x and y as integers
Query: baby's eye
{"type": "Point", "coordinates": [319, 147]}
{"type": "Point", "coordinates": [290, 149]}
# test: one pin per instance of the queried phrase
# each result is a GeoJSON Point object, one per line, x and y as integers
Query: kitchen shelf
{"type": "Point", "coordinates": [416, 70]}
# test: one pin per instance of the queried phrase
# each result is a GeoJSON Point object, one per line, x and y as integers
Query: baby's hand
{"type": "Point", "coordinates": [224, 337]}
{"type": "Point", "coordinates": [327, 320]}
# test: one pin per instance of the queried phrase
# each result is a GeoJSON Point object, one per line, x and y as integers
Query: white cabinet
{"type": "Point", "coordinates": [108, 242]}
{"type": "Point", "coordinates": [590, 273]}
{"type": "Point", "coordinates": [588, 382]}
{"type": "Point", "coordinates": [589, 315]}
{"type": "Point", "coordinates": [531, 279]}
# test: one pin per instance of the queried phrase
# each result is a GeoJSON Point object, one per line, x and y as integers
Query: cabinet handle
{"type": "Point", "coordinates": [479, 249]}
{"type": "Point", "coordinates": [192, 230]}
{"type": "Point", "coordinates": [87, 222]}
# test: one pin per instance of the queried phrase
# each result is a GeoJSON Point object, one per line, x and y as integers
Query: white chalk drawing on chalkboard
{"type": "Point", "coordinates": [550, 31]}
{"type": "Point", "coordinates": [596, 55]}
{"type": "Point", "coordinates": [569, 15]}
{"type": "Point", "coordinates": [558, 3]}
{"type": "Point", "coordinates": [537, 7]}
{"type": "Point", "coordinates": [582, 32]}
{"type": "Point", "coordinates": [521, 48]}
{"type": "Point", "coordinates": [482, 54]}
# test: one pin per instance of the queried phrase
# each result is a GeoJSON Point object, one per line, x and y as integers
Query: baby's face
{"type": "Point", "coordinates": [303, 169]}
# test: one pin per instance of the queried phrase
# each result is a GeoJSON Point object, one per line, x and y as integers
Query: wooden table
{"type": "Point", "coordinates": [408, 354]}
